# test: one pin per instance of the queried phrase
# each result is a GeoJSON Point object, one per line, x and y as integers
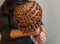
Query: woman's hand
{"type": "Point", "coordinates": [41, 38]}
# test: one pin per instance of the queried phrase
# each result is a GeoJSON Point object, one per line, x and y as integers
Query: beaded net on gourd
{"type": "Point", "coordinates": [28, 16]}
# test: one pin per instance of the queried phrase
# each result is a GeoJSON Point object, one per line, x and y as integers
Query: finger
{"type": "Point", "coordinates": [43, 39]}
{"type": "Point", "coordinates": [38, 31]}
{"type": "Point", "coordinates": [39, 40]}
{"type": "Point", "coordinates": [42, 35]}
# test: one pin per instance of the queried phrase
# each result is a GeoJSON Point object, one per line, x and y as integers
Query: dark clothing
{"type": "Point", "coordinates": [21, 40]}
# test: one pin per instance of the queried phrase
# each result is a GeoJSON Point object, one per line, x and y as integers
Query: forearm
{"type": "Point", "coordinates": [18, 33]}
{"type": "Point", "coordinates": [15, 33]}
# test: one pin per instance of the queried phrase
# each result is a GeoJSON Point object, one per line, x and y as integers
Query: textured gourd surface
{"type": "Point", "coordinates": [28, 16]}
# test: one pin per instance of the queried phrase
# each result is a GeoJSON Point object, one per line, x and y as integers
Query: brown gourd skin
{"type": "Point", "coordinates": [28, 16]}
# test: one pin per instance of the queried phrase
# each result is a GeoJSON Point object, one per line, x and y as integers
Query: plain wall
{"type": "Point", "coordinates": [51, 16]}
{"type": "Point", "coordinates": [53, 30]}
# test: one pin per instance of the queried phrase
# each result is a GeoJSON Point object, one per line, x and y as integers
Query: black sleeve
{"type": "Point", "coordinates": [4, 26]}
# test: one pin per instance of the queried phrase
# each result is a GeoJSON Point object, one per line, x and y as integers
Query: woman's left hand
{"type": "Point", "coordinates": [40, 38]}
{"type": "Point", "coordinates": [43, 36]}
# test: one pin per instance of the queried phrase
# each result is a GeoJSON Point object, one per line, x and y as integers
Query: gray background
{"type": "Point", "coordinates": [51, 16]}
